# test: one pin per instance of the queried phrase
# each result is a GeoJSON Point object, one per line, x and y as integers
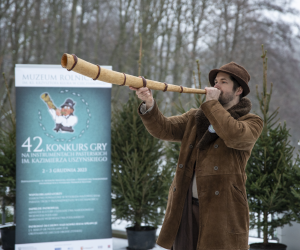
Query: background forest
{"type": "Point", "coordinates": [175, 33]}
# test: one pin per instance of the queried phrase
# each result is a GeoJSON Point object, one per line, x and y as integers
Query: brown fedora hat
{"type": "Point", "coordinates": [236, 71]}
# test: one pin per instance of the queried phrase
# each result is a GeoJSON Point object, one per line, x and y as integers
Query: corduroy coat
{"type": "Point", "coordinates": [220, 174]}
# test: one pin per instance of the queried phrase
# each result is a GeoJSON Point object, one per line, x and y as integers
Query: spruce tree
{"type": "Point", "coordinates": [273, 188]}
{"type": "Point", "coordinates": [7, 156]}
{"type": "Point", "coordinates": [140, 180]}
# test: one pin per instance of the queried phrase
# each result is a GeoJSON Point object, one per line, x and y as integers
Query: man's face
{"type": "Point", "coordinates": [225, 84]}
{"type": "Point", "coordinates": [66, 110]}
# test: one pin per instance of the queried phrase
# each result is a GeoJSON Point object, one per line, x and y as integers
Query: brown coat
{"type": "Point", "coordinates": [223, 206]}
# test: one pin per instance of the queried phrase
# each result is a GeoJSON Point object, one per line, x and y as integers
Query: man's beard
{"type": "Point", "coordinates": [226, 98]}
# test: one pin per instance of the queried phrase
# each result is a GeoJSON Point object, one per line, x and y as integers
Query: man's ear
{"type": "Point", "coordinates": [239, 90]}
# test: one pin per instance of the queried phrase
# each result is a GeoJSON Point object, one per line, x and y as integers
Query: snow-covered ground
{"type": "Point", "coordinates": [121, 244]}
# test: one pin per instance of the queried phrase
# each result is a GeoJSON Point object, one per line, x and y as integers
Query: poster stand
{"type": "Point", "coordinates": [63, 160]}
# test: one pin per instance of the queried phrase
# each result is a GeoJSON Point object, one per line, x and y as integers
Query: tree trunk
{"type": "Point", "coordinates": [226, 20]}
{"type": "Point", "coordinates": [72, 28]}
{"type": "Point", "coordinates": [39, 40]}
{"type": "Point", "coordinates": [265, 227]}
{"type": "Point", "coordinates": [3, 211]}
{"type": "Point", "coordinates": [236, 31]}
{"type": "Point", "coordinates": [197, 12]}
{"type": "Point", "coordinates": [258, 227]}
{"type": "Point", "coordinates": [178, 45]}
{"type": "Point", "coordinates": [15, 213]}
{"type": "Point", "coordinates": [81, 25]}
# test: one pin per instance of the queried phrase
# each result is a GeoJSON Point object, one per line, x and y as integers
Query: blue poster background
{"type": "Point", "coordinates": [63, 178]}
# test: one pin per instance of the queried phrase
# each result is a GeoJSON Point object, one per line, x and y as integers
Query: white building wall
{"type": "Point", "coordinates": [290, 236]}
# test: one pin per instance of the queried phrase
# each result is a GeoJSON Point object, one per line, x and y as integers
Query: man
{"type": "Point", "coordinates": [64, 118]}
{"type": "Point", "coordinates": [207, 203]}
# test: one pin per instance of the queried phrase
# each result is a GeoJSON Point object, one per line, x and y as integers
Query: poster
{"type": "Point", "coordinates": [63, 160]}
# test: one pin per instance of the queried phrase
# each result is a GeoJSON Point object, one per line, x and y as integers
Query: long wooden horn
{"type": "Point", "coordinates": [72, 62]}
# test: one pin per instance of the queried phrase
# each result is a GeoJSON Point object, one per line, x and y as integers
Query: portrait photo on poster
{"type": "Point", "coordinates": [64, 118]}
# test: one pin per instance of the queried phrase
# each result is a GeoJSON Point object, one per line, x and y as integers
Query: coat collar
{"type": "Point", "coordinates": [242, 108]}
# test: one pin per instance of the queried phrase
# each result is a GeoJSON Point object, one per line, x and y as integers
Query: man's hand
{"type": "Point", "coordinates": [58, 112]}
{"type": "Point", "coordinates": [212, 93]}
{"type": "Point", "coordinates": [145, 95]}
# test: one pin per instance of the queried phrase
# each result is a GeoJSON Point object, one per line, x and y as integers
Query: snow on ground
{"type": "Point", "coordinates": [121, 244]}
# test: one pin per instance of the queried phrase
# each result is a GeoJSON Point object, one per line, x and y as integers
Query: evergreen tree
{"type": "Point", "coordinates": [140, 180]}
{"type": "Point", "coordinates": [273, 175]}
{"type": "Point", "coordinates": [7, 156]}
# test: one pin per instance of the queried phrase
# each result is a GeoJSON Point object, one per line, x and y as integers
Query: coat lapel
{"type": "Point", "coordinates": [240, 109]}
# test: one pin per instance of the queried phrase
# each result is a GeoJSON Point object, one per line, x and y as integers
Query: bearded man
{"type": "Point", "coordinates": [64, 117]}
{"type": "Point", "coordinates": [207, 205]}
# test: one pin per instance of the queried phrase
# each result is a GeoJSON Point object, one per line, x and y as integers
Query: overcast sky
{"type": "Point", "coordinates": [296, 4]}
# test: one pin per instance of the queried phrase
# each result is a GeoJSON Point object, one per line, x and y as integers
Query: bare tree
{"type": "Point", "coordinates": [175, 34]}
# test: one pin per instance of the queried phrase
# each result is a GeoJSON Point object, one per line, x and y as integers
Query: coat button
{"type": "Point", "coordinates": [174, 189]}
{"type": "Point", "coordinates": [216, 145]}
{"type": "Point", "coordinates": [191, 146]}
{"type": "Point", "coordinates": [216, 168]}
{"type": "Point", "coordinates": [217, 193]}
{"type": "Point", "coordinates": [180, 166]}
